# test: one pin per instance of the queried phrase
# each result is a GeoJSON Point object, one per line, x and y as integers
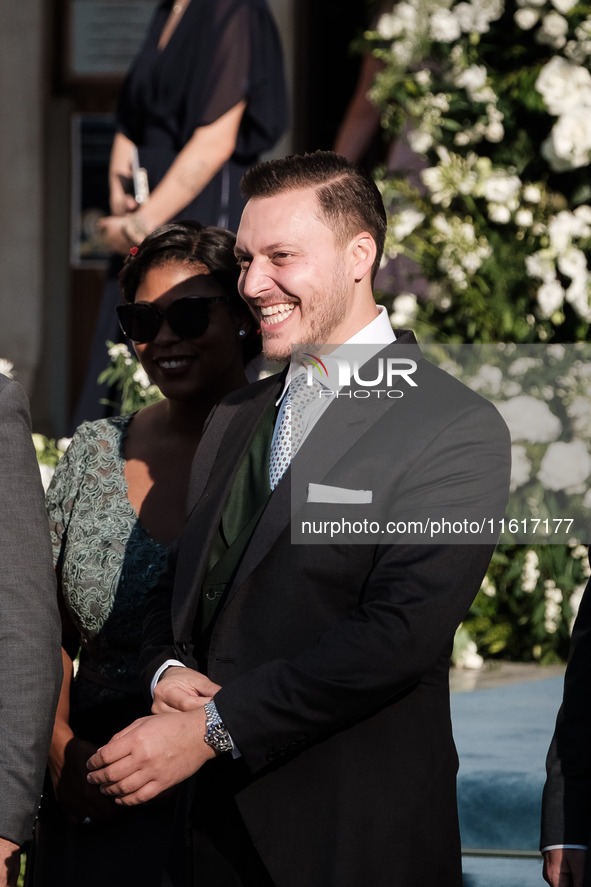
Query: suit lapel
{"type": "Point", "coordinates": [228, 434]}
{"type": "Point", "coordinates": [344, 423]}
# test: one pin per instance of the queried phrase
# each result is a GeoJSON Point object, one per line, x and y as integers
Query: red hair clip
{"type": "Point", "coordinates": [133, 251]}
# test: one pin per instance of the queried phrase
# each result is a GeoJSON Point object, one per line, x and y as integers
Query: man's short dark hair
{"type": "Point", "coordinates": [349, 199]}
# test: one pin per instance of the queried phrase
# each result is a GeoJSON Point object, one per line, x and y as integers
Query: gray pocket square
{"type": "Point", "coordinates": [338, 495]}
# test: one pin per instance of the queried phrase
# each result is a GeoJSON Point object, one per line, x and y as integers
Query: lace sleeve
{"type": "Point", "coordinates": [63, 489]}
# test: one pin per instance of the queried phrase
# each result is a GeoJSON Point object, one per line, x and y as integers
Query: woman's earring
{"type": "Point", "coordinates": [241, 332]}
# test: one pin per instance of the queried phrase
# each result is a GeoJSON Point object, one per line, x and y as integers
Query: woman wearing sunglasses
{"type": "Point", "coordinates": [116, 502]}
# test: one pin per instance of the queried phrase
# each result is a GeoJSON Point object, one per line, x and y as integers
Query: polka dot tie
{"type": "Point", "coordinates": [291, 426]}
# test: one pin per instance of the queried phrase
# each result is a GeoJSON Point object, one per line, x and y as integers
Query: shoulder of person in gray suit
{"type": "Point", "coordinates": [30, 629]}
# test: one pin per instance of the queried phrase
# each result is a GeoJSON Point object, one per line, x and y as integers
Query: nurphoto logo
{"type": "Point", "coordinates": [365, 375]}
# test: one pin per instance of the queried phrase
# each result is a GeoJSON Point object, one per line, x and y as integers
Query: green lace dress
{"type": "Point", "coordinates": [108, 564]}
{"type": "Point", "coordinates": [107, 560]}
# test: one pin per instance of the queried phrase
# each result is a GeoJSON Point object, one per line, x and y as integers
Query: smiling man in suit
{"type": "Point", "coordinates": [306, 685]}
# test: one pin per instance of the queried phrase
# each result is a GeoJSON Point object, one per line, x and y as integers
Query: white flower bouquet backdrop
{"type": "Point", "coordinates": [495, 95]}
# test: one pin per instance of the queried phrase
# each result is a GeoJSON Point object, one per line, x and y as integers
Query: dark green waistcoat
{"type": "Point", "coordinates": [248, 497]}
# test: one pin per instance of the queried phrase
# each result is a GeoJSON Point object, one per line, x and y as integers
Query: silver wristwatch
{"type": "Point", "coordinates": [216, 734]}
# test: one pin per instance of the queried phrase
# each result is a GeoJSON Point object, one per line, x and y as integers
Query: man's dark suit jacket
{"type": "Point", "coordinates": [30, 629]}
{"type": "Point", "coordinates": [566, 807]}
{"type": "Point", "coordinates": [333, 659]}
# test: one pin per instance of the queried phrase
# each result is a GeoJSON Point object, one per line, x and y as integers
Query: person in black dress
{"type": "Point", "coordinates": [204, 98]}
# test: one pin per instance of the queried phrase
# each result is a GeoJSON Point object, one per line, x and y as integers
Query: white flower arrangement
{"type": "Point", "coordinates": [127, 377]}
{"type": "Point", "coordinates": [528, 600]}
{"type": "Point", "coordinates": [49, 451]}
{"type": "Point", "coordinates": [125, 374]}
{"type": "Point", "coordinates": [497, 94]}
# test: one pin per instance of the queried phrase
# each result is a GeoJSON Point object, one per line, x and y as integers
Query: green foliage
{"type": "Point", "coordinates": [527, 602]}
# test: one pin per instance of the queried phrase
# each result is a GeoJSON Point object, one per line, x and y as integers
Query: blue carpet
{"type": "Point", "coordinates": [502, 736]}
{"type": "Point", "coordinates": [502, 872]}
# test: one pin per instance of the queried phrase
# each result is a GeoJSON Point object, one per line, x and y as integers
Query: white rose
{"type": "Point", "coordinates": [512, 389]}
{"type": "Point", "coordinates": [577, 294]}
{"type": "Point", "coordinates": [576, 52]}
{"type": "Point", "coordinates": [499, 213]}
{"type": "Point", "coordinates": [541, 265]}
{"type": "Point", "coordinates": [579, 412]}
{"type": "Point", "coordinates": [583, 215]}
{"type": "Point", "coordinates": [405, 223]}
{"type": "Point", "coordinates": [444, 26]}
{"type": "Point", "coordinates": [522, 365]}
{"type": "Point", "coordinates": [404, 310]}
{"type": "Point", "coordinates": [569, 144]}
{"type": "Point", "coordinates": [553, 611]}
{"type": "Point", "coordinates": [553, 31]}
{"type": "Point", "coordinates": [469, 658]}
{"type": "Point", "coordinates": [141, 378]}
{"type": "Point", "coordinates": [526, 18]}
{"type": "Point", "coordinates": [530, 573]}
{"type": "Point", "coordinates": [494, 132]}
{"type": "Point", "coordinates": [420, 142]}
{"type": "Point", "coordinates": [550, 297]}
{"type": "Point", "coordinates": [556, 352]}
{"type": "Point", "coordinates": [423, 77]}
{"type": "Point", "coordinates": [472, 79]}
{"type": "Point", "coordinates": [563, 227]}
{"type": "Point", "coordinates": [520, 467]}
{"type": "Point", "coordinates": [524, 218]}
{"type": "Point", "coordinates": [488, 378]}
{"type": "Point", "coordinates": [573, 263]}
{"type": "Point", "coordinates": [120, 350]}
{"type": "Point", "coordinates": [529, 419]}
{"type": "Point", "coordinates": [463, 138]}
{"type": "Point", "coordinates": [563, 5]}
{"type": "Point", "coordinates": [565, 465]}
{"type": "Point", "coordinates": [475, 17]}
{"type": "Point", "coordinates": [563, 85]}
{"type": "Point", "coordinates": [532, 193]}
{"type": "Point", "coordinates": [488, 588]}
{"type": "Point", "coordinates": [389, 26]}
{"type": "Point", "coordinates": [500, 187]}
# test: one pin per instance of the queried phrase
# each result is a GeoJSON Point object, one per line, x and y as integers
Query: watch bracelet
{"type": "Point", "coordinates": [216, 734]}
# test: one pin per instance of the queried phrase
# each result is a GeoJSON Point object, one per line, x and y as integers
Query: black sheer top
{"type": "Point", "coordinates": [221, 52]}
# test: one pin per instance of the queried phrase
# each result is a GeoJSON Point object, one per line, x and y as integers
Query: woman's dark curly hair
{"type": "Point", "coordinates": [192, 243]}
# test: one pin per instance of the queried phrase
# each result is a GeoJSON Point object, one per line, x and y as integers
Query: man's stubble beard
{"type": "Point", "coordinates": [328, 315]}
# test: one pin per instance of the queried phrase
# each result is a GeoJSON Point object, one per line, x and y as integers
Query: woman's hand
{"type": "Point", "coordinates": [81, 802]}
{"type": "Point", "coordinates": [123, 232]}
{"type": "Point", "coordinates": [67, 758]}
{"type": "Point", "coordinates": [113, 231]}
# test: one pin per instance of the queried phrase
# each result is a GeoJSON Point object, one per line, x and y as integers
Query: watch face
{"type": "Point", "coordinates": [217, 736]}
